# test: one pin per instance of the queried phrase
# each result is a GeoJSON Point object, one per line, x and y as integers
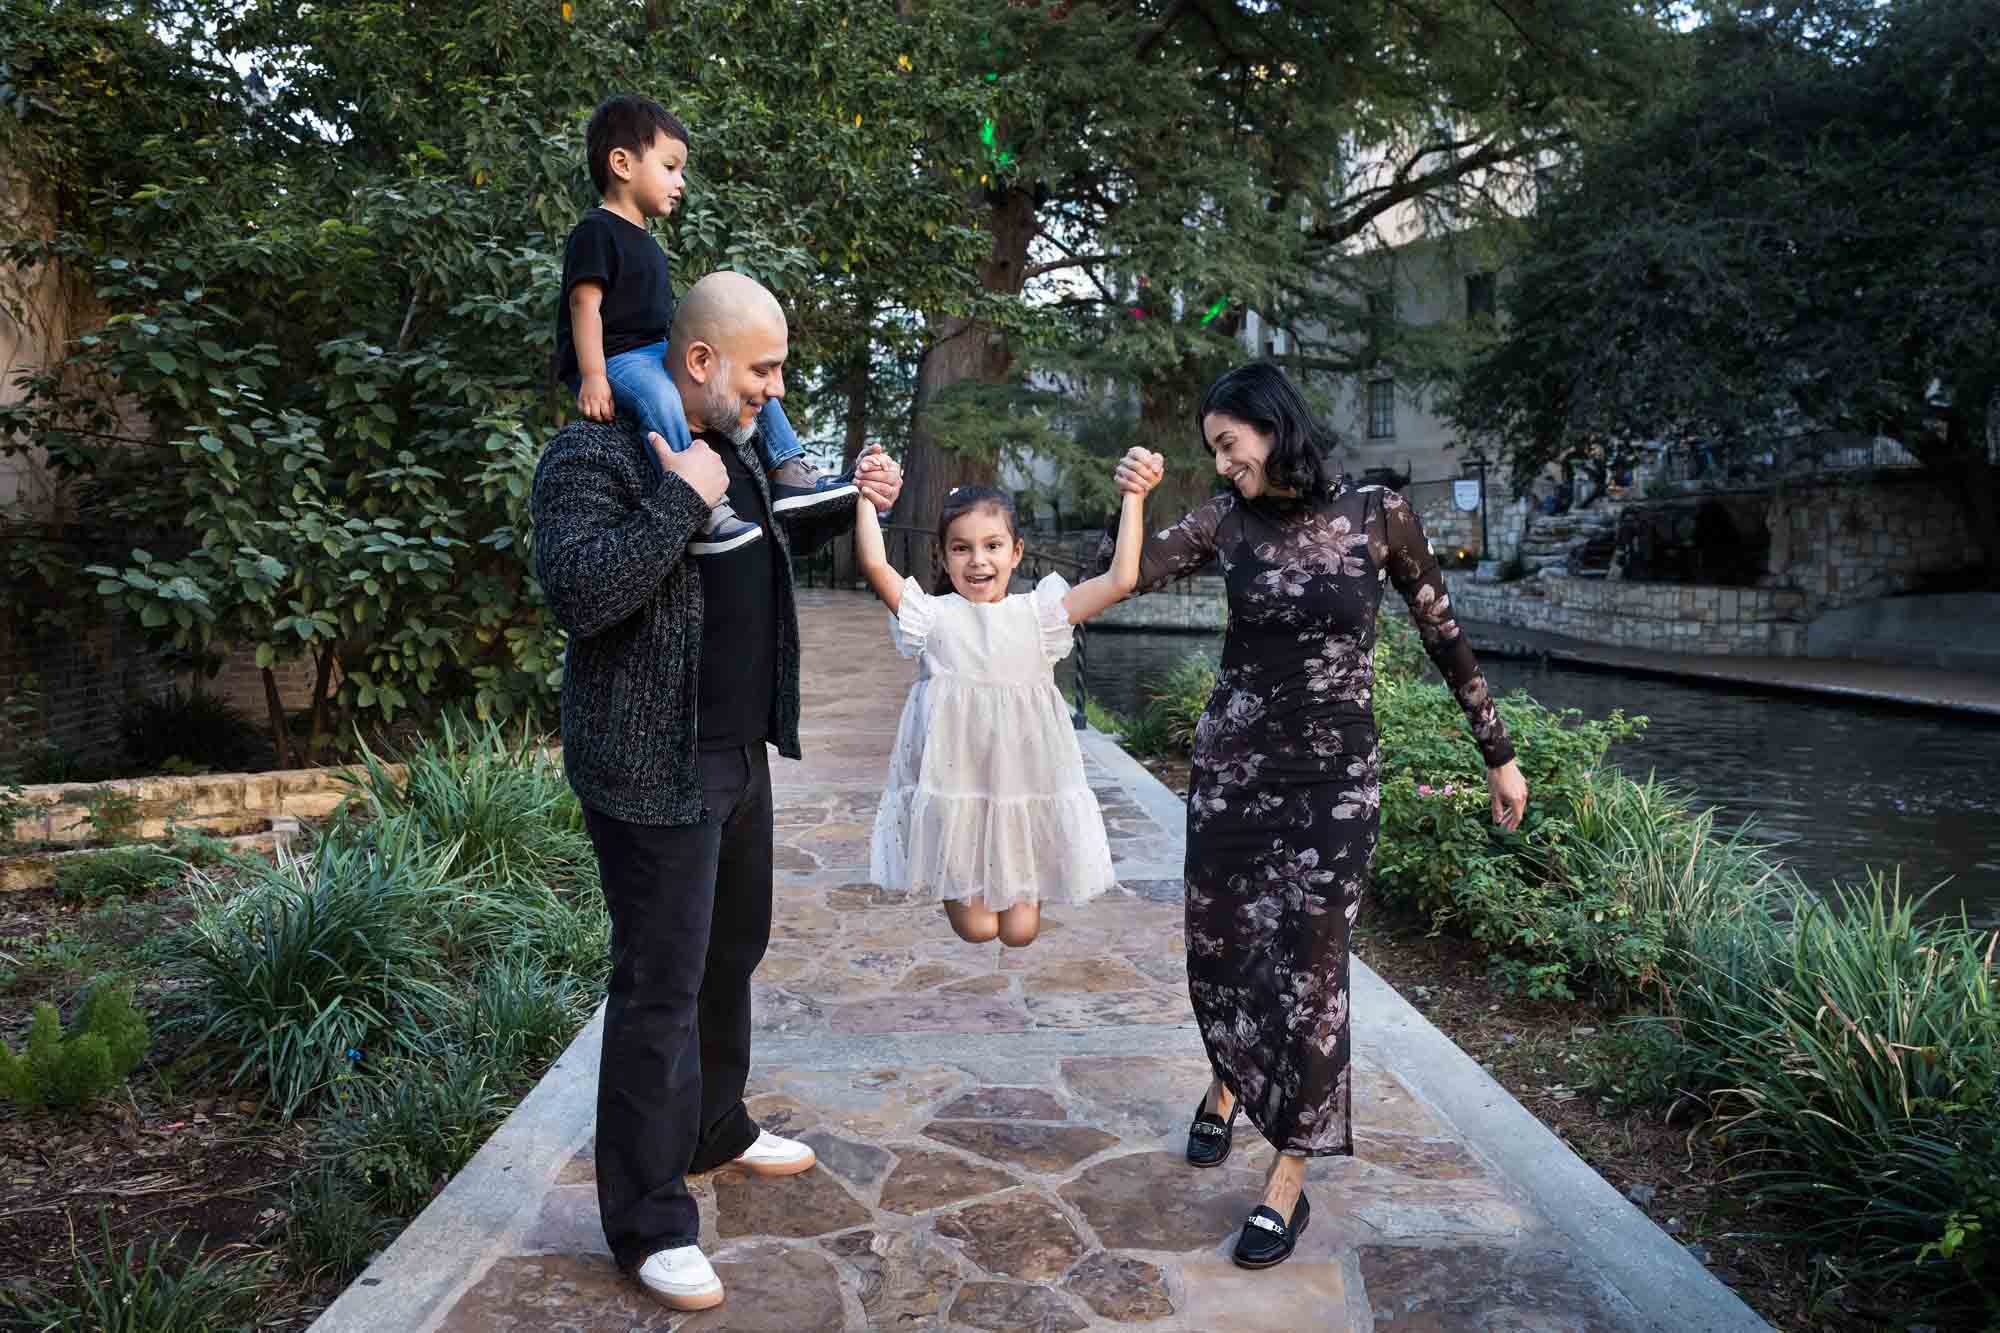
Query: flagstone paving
{"type": "Point", "coordinates": [1000, 1132]}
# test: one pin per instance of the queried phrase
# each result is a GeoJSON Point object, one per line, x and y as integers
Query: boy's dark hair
{"type": "Point", "coordinates": [962, 501]}
{"type": "Point", "coordinates": [627, 122]}
{"type": "Point", "coordinates": [1260, 394]}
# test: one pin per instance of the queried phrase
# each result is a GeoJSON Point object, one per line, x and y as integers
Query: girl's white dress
{"type": "Point", "coordinates": [986, 793]}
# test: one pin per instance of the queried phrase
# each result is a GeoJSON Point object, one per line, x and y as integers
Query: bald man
{"type": "Point", "coordinates": [679, 673]}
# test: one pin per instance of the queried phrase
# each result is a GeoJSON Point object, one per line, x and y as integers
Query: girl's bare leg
{"type": "Point", "coordinates": [1220, 1099]}
{"type": "Point", "coordinates": [971, 921]}
{"type": "Point", "coordinates": [1020, 924]}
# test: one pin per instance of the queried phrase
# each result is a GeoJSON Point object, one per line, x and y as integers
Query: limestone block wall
{"type": "Point", "coordinates": [1198, 604]}
{"type": "Point", "coordinates": [1452, 529]}
{"type": "Point", "coordinates": [224, 803]}
{"type": "Point", "coordinates": [1843, 543]}
{"type": "Point", "coordinates": [1664, 617]}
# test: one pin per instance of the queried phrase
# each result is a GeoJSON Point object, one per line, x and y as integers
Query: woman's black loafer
{"type": "Point", "coordinates": [1210, 1136]}
{"type": "Point", "coordinates": [1267, 1240]}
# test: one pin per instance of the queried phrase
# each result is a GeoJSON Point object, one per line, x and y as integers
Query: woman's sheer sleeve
{"type": "Point", "coordinates": [1414, 571]}
{"type": "Point", "coordinates": [1173, 552]}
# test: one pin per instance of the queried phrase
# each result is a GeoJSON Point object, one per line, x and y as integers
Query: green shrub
{"type": "Point", "coordinates": [1858, 1067]}
{"type": "Point", "coordinates": [1399, 652]}
{"type": "Point", "coordinates": [54, 1068]}
{"type": "Point", "coordinates": [406, 1130]}
{"type": "Point", "coordinates": [132, 1293]}
{"type": "Point", "coordinates": [126, 872]}
{"type": "Point", "coordinates": [111, 814]}
{"type": "Point", "coordinates": [1178, 699]}
{"type": "Point", "coordinates": [191, 733]}
{"type": "Point", "coordinates": [304, 966]}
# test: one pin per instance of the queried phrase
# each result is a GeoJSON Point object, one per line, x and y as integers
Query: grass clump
{"type": "Point", "coordinates": [191, 733]}
{"type": "Point", "coordinates": [123, 872]}
{"type": "Point", "coordinates": [131, 1292]}
{"type": "Point", "coordinates": [308, 964]}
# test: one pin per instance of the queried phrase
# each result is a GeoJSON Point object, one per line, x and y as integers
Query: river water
{"type": "Point", "coordinates": [1841, 786]}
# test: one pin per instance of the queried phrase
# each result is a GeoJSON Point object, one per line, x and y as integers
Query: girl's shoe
{"type": "Point", "coordinates": [1267, 1239]}
{"type": "Point", "coordinates": [1211, 1137]}
{"type": "Point", "coordinates": [681, 1279]}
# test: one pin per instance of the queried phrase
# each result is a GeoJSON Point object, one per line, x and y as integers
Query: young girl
{"type": "Point", "coordinates": [987, 807]}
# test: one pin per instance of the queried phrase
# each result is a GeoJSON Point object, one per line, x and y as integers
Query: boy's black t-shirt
{"type": "Point", "coordinates": [739, 623]}
{"type": "Point", "coordinates": [638, 304]}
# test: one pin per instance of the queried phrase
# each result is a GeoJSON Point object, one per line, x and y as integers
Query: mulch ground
{"type": "Point", "coordinates": [173, 1157]}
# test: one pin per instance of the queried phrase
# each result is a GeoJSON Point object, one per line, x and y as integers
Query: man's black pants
{"type": "Point", "coordinates": [690, 917]}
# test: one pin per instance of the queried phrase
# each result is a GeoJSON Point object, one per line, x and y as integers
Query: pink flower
{"type": "Point", "coordinates": [1423, 789]}
{"type": "Point", "coordinates": [1447, 789]}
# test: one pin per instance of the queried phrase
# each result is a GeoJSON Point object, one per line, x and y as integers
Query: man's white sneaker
{"type": "Point", "coordinates": [681, 1279]}
{"type": "Point", "coordinates": [773, 1156]}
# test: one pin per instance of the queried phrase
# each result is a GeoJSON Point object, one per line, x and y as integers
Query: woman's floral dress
{"type": "Point", "coordinates": [1283, 802]}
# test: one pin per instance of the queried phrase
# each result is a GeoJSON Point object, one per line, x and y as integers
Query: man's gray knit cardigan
{"type": "Point", "coordinates": [611, 539]}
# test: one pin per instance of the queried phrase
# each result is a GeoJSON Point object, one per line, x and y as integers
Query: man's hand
{"type": "Point", "coordinates": [879, 478]}
{"type": "Point", "coordinates": [593, 398]}
{"type": "Point", "coordinates": [1139, 471]}
{"type": "Point", "coordinates": [697, 465]}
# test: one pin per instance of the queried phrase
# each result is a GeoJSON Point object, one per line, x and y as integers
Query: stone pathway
{"type": "Point", "coordinates": [999, 1133]}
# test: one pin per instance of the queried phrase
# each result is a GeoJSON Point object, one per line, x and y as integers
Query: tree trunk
{"type": "Point", "coordinates": [845, 573]}
{"type": "Point", "coordinates": [1977, 493]}
{"type": "Point", "coordinates": [964, 349]}
{"type": "Point", "coordinates": [324, 662]}
{"type": "Point", "coordinates": [281, 739]}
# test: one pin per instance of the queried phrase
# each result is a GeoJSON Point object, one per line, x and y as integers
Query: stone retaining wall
{"type": "Point", "coordinates": [1201, 604]}
{"type": "Point", "coordinates": [226, 803]}
{"type": "Point", "coordinates": [1665, 617]}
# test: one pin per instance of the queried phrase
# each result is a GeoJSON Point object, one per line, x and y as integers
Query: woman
{"type": "Point", "coordinates": [1283, 800]}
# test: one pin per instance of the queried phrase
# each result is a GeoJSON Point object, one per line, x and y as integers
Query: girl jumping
{"type": "Point", "coordinates": [987, 808]}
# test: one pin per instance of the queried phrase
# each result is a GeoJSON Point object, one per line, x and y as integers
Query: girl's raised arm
{"type": "Point", "coordinates": [873, 558]}
{"type": "Point", "coordinates": [1108, 589]}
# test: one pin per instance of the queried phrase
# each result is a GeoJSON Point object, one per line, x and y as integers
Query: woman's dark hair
{"type": "Point", "coordinates": [627, 122]}
{"type": "Point", "coordinates": [962, 501]}
{"type": "Point", "coordinates": [1260, 394]}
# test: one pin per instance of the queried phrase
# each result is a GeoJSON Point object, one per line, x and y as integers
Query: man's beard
{"type": "Point", "coordinates": [718, 405]}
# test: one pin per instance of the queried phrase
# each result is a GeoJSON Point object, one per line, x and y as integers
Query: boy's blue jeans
{"type": "Point", "coordinates": [640, 385]}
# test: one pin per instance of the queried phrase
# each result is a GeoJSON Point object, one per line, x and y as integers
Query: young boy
{"type": "Point", "coordinates": [617, 306]}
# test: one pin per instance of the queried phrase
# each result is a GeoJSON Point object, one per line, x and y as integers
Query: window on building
{"type": "Point", "coordinates": [1480, 293]}
{"type": "Point", "coordinates": [1382, 409]}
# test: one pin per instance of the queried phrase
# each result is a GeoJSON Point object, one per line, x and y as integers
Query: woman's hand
{"type": "Point", "coordinates": [1139, 471]}
{"type": "Point", "coordinates": [1510, 794]}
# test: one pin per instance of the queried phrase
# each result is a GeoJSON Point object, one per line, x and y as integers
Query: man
{"type": "Point", "coordinates": [679, 673]}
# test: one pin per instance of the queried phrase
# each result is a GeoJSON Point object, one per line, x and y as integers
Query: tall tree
{"type": "Point", "coordinates": [1156, 170]}
{"type": "Point", "coordinates": [1800, 244]}
{"type": "Point", "coordinates": [328, 243]}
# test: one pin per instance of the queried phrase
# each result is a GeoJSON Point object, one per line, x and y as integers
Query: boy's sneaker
{"type": "Point", "coordinates": [681, 1279]}
{"type": "Point", "coordinates": [798, 488]}
{"type": "Point", "coordinates": [725, 532]}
